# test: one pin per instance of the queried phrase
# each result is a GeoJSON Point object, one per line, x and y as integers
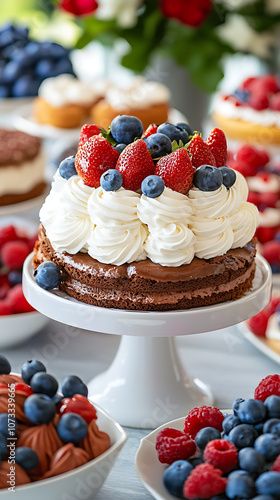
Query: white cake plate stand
{"type": "Point", "coordinates": [146, 386]}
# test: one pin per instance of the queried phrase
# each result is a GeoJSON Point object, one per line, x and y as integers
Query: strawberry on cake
{"type": "Point", "coordinates": [164, 224]}
{"type": "Point", "coordinates": [252, 112]}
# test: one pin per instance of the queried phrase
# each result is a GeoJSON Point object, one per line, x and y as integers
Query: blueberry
{"type": "Point", "coordinates": [272, 426]}
{"type": "Point", "coordinates": [268, 483]}
{"type": "Point", "coordinates": [251, 460]}
{"type": "Point", "coordinates": [15, 277]}
{"type": "Point", "coordinates": [4, 91]}
{"type": "Point", "coordinates": [264, 497]}
{"type": "Point", "coordinates": [229, 422]}
{"type": "Point", "coordinates": [25, 86]}
{"type": "Point", "coordinates": [7, 38]}
{"type": "Point", "coordinates": [63, 66]}
{"type": "Point", "coordinates": [252, 411]}
{"type": "Point", "coordinates": [268, 445]}
{"type": "Point", "coordinates": [67, 167]}
{"type": "Point", "coordinates": [175, 476]}
{"type": "Point", "coordinates": [73, 385]}
{"type": "Point", "coordinates": [120, 147]}
{"type": "Point", "coordinates": [3, 446]}
{"type": "Point", "coordinates": [57, 398]}
{"type": "Point", "coordinates": [152, 186]}
{"type": "Point", "coordinates": [33, 50]}
{"type": "Point", "coordinates": [29, 368]}
{"type": "Point", "coordinates": [44, 68]}
{"type": "Point", "coordinates": [125, 128]}
{"type": "Point", "coordinates": [71, 428]}
{"type": "Point", "coordinates": [207, 178]}
{"type": "Point", "coordinates": [5, 367]}
{"type": "Point", "coordinates": [47, 275]}
{"type": "Point", "coordinates": [173, 132]}
{"type": "Point", "coordinates": [236, 405]}
{"type": "Point", "coordinates": [54, 50]}
{"type": "Point", "coordinates": [240, 485]}
{"type": "Point", "coordinates": [111, 180]}
{"type": "Point", "coordinates": [22, 31]}
{"type": "Point", "coordinates": [259, 427]}
{"type": "Point", "coordinates": [272, 404]}
{"type": "Point", "coordinates": [39, 408]}
{"type": "Point", "coordinates": [197, 460]}
{"type": "Point", "coordinates": [44, 383]}
{"type": "Point", "coordinates": [242, 95]}
{"type": "Point", "coordinates": [26, 458]}
{"type": "Point", "coordinates": [229, 176]}
{"type": "Point", "coordinates": [159, 143]}
{"type": "Point", "coordinates": [205, 435]}
{"type": "Point", "coordinates": [8, 425]}
{"type": "Point", "coordinates": [12, 72]}
{"type": "Point", "coordinates": [243, 435]}
{"type": "Point", "coordinates": [186, 127]}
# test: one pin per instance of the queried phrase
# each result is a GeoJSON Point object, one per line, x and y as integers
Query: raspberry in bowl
{"type": "Point", "coordinates": [60, 440]}
{"type": "Point", "coordinates": [18, 320]}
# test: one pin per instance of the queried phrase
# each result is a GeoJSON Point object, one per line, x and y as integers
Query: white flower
{"type": "Point", "coordinates": [237, 4]}
{"type": "Point", "coordinates": [239, 34]}
{"type": "Point", "coordinates": [124, 11]}
{"type": "Point", "coordinates": [272, 6]}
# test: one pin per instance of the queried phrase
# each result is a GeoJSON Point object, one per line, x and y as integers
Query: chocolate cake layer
{"type": "Point", "coordinates": [17, 147]}
{"type": "Point", "coordinates": [145, 285]}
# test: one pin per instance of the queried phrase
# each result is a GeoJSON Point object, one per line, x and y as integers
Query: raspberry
{"type": "Point", "coordinates": [248, 83]}
{"type": "Point", "coordinates": [173, 445]}
{"type": "Point", "coordinates": [264, 85]}
{"type": "Point", "coordinates": [274, 102]}
{"type": "Point", "coordinates": [203, 416]}
{"type": "Point", "coordinates": [221, 454]}
{"type": "Point", "coordinates": [268, 386]}
{"type": "Point", "coordinates": [7, 233]}
{"type": "Point", "coordinates": [204, 481]}
{"type": "Point", "coordinates": [258, 323]}
{"type": "Point", "coordinates": [152, 129]}
{"type": "Point", "coordinates": [265, 234]}
{"type": "Point", "coordinates": [249, 155]}
{"type": "Point", "coordinates": [276, 464]}
{"type": "Point", "coordinates": [4, 286]}
{"type": "Point", "coordinates": [243, 167]}
{"type": "Point", "coordinates": [253, 198]}
{"type": "Point", "coordinates": [258, 101]}
{"type": "Point", "coordinates": [5, 308]}
{"type": "Point", "coordinates": [263, 157]}
{"type": "Point", "coordinates": [269, 199]}
{"type": "Point", "coordinates": [17, 300]}
{"type": "Point", "coordinates": [271, 252]}
{"type": "Point", "coordinates": [14, 253]}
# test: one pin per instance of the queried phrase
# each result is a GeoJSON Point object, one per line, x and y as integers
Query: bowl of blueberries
{"type": "Point", "coordinates": [18, 320]}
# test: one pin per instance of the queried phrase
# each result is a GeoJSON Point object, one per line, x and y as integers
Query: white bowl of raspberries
{"type": "Point", "coordinates": [18, 320]}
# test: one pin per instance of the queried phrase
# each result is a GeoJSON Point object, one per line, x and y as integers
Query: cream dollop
{"type": "Point", "coordinates": [52, 204]}
{"type": "Point", "coordinates": [244, 223]}
{"type": "Point", "coordinates": [66, 89]}
{"type": "Point", "coordinates": [172, 245]}
{"type": "Point", "coordinates": [72, 226]}
{"type": "Point", "coordinates": [167, 208]}
{"type": "Point", "coordinates": [140, 94]}
{"type": "Point", "coordinates": [118, 235]}
{"type": "Point", "coordinates": [265, 117]}
{"type": "Point", "coordinates": [214, 236]}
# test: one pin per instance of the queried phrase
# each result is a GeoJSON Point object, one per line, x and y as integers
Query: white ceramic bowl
{"type": "Point", "coordinates": [17, 328]}
{"type": "Point", "coordinates": [85, 481]}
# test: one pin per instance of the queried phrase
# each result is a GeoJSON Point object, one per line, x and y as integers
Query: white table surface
{"type": "Point", "coordinates": [224, 359]}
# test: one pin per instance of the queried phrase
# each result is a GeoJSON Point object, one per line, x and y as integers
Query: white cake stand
{"type": "Point", "coordinates": [146, 386]}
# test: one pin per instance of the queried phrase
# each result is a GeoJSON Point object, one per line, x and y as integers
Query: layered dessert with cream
{"type": "Point", "coordinates": [252, 112]}
{"type": "Point", "coordinates": [64, 101]}
{"type": "Point", "coordinates": [22, 165]}
{"type": "Point", "coordinates": [150, 234]}
{"type": "Point", "coordinates": [148, 100]}
{"type": "Point", "coordinates": [49, 433]}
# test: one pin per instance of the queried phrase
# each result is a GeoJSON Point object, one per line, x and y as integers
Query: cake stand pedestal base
{"type": "Point", "coordinates": [146, 385]}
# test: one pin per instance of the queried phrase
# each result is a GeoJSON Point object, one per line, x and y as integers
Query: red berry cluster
{"type": "Point", "coordinates": [261, 93]}
{"type": "Point", "coordinates": [15, 245]}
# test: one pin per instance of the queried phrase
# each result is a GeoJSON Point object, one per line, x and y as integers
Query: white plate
{"type": "Point", "coordinates": [61, 307]}
{"type": "Point", "coordinates": [148, 466]}
{"type": "Point", "coordinates": [24, 206]}
{"type": "Point", "coordinates": [83, 482]}
{"type": "Point", "coordinates": [10, 104]}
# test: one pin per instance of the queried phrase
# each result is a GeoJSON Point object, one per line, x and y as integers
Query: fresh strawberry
{"type": "Point", "coordinates": [201, 153]}
{"type": "Point", "coordinates": [135, 163]}
{"type": "Point", "coordinates": [79, 404]}
{"type": "Point", "coordinates": [217, 143]}
{"type": "Point", "coordinates": [88, 131]}
{"type": "Point", "coordinates": [264, 85]}
{"type": "Point", "coordinates": [152, 129]}
{"type": "Point", "coordinates": [93, 158]}
{"type": "Point", "coordinates": [176, 170]}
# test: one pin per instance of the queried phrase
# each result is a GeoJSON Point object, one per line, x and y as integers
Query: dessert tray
{"type": "Point", "coordinates": [86, 480]}
{"type": "Point", "coordinates": [146, 384]}
{"type": "Point", "coordinates": [147, 465]}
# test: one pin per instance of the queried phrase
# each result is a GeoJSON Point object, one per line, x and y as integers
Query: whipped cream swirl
{"type": "Point", "coordinates": [119, 235]}
{"type": "Point", "coordinates": [244, 223]}
{"type": "Point", "coordinates": [52, 204]}
{"type": "Point", "coordinates": [65, 89]}
{"type": "Point", "coordinates": [172, 245]}
{"type": "Point", "coordinates": [214, 236]}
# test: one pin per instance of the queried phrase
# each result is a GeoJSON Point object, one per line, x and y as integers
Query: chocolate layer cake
{"type": "Point", "coordinates": [148, 286]}
{"type": "Point", "coordinates": [21, 167]}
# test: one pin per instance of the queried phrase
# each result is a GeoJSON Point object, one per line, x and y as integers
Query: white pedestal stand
{"type": "Point", "coordinates": [146, 386]}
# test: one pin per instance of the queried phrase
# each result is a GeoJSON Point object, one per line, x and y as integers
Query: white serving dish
{"type": "Point", "coordinates": [85, 481]}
